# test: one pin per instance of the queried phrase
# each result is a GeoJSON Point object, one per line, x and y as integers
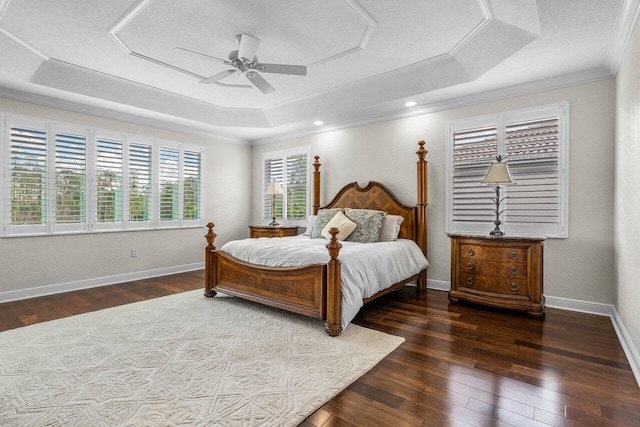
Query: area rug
{"type": "Point", "coordinates": [179, 360]}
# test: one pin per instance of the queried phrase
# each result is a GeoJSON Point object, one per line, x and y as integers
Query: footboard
{"type": "Point", "coordinates": [298, 289]}
{"type": "Point", "coordinates": [311, 290]}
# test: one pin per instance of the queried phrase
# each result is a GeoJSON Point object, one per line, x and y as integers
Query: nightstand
{"type": "Point", "coordinates": [272, 231]}
{"type": "Point", "coordinates": [503, 272]}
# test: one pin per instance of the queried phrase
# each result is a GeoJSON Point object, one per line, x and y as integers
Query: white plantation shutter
{"type": "Point", "coordinates": [291, 169]}
{"type": "Point", "coordinates": [62, 178]}
{"type": "Point", "coordinates": [532, 154]}
{"type": "Point", "coordinates": [169, 184]}
{"type": "Point", "coordinates": [109, 181]}
{"type": "Point", "coordinates": [140, 187]}
{"type": "Point", "coordinates": [191, 185]}
{"type": "Point", "coordinates": [296, 189]}
{"type": "Point", "coordinates": [273, 171]}
{"type": "Point", "coordinates": [70, 181]}
{"type": "Point", "coordinates": [28, 178]}
{"type": "Point", "coordinates": [534, 143]}
{"type": "Point", "coordinates": [473, 151]}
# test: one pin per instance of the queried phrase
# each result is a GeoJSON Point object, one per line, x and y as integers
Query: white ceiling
{"type": "Point", "coordinates": [365, 58]}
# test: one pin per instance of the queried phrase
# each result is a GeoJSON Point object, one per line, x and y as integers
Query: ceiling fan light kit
{"type": "Point", "coordinates": [245, 61]}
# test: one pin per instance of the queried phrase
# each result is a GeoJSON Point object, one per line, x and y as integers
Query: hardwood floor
{"type": "Point", "coordinates": [460, 364]}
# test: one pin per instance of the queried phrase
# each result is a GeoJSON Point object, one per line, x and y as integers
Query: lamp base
{"type": "Point", "coordinates": [273, 223]}
{"type": "Point", "coordinates": [496, 232]}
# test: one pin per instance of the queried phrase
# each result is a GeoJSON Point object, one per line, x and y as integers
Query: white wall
{"type": "Point", "coordinates": [580, 267]}
{"type": "Point", "coordinates": [32, 262]}
{"type": "Point", "coordinates": [627, 196]}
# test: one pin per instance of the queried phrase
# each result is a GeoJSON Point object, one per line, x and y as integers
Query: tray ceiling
{"type": "Point", "coordinates": [364, 58]}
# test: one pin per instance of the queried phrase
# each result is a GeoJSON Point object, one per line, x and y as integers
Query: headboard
{"type": "Point", "coordinates": [378, 197]}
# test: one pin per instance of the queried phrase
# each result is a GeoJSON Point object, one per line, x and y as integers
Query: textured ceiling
{"type": "Point", "coordinates": [365, 58]}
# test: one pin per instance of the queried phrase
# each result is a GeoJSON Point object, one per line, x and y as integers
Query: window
{"type": "Point", "coordinates": [291, 169]}
{"type": "Point", "coordinates": [139, 184]}
{"type": "Point", "coordinates": [535, 142]}
{"type": "Point", "coordinates": [60, 178]}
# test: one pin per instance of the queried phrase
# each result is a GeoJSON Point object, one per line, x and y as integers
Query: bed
{"type": "Point", "coordinates": [315, 289]}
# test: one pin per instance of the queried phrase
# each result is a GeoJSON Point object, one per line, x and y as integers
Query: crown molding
{"type": "Point", "coordinates": [447, 104]}
{"type": "Point", "coordinates": [77, 107]}
{"type": "Point", "coordinates": [625, 24]}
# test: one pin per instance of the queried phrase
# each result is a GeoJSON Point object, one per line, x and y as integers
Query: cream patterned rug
{"type": "Point", "coordinates": [179, 360]}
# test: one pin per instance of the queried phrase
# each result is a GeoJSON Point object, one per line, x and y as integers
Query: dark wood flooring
{"type": "Point", "coordinates": [460, 364]}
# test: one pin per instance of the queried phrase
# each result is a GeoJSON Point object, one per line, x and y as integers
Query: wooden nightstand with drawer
{"type": "Point", "coordinates": [272, 231]}
{"type": "Point", "coordinates": [503, 272]}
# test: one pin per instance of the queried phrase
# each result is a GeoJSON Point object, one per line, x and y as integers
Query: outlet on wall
{"type": "Point", "coordinates": [134, 253]}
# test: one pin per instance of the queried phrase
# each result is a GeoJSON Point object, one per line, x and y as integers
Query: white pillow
{"type": "Point", "coordinates": [311, 220]}
{"type": "Point", "coordinates": [342, 223]}
{"type": "Point", "coordinates": [390, 228]}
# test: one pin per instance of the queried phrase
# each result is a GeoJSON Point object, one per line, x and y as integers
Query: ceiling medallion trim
{"type": "Point", "coordinates": [370, 26]}
{"type": "Point", "coordinates": [487, 17]}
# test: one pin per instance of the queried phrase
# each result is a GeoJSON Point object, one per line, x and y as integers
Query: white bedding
{"type": "Point", "coordinates": [367, 268]}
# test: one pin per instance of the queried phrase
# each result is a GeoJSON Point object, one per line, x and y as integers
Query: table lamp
{"type": "Point", "coordinates": [498, 174]}
{"type": "Point", "coordinates": [274, 189]}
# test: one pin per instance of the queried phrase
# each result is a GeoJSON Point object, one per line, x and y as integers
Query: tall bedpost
{"type": "Point", "coordinates": [316, 185]}
{"type": "Point", "coordinates": [209, 262]}
{"type": "Point", "coordinates": [421, 225]}
{"type": "Point", "coordinates": [333, 325]}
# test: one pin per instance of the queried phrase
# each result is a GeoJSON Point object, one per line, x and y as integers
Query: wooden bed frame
{"type": "Point", "coordinates": [315, 290]}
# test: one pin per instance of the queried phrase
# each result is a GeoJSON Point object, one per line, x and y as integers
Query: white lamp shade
{"type": "Point", "coordinates": [498, 173]}
{"type": "Point", "coordinates": [274, 189]}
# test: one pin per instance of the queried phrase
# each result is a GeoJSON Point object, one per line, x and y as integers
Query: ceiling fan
{"type": "Point", "coordinates": [245, 61]}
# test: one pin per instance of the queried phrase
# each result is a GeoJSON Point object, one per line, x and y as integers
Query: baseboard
{"type": "Point", "coordinates": [95, 282]}
{"type": "Point", "coordinates": [438, 285]}
{"type": "Point", "coordinates": [579, 306]}
{"type": "Point", "coordinates": [630, 350]}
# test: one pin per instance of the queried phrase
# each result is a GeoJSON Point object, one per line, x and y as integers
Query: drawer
{"type": "Point", "coordinates": [496, 285]}
{"type": "Point", "coordinates": [265, 233]}
{"type": "Point", "coordinates": [493, 253]}
{"type": "Point", "coordinates": [511, 270]}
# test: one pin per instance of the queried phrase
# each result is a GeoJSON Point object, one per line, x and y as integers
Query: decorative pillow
{"type": "Point", "coordinates": [368, 224]}
{"type": "Point", "coordinates": [310, 221]}
{"type": "Point", "coordinates": [344, 225]}
{"type": "Point", "coordinates": [390, 228]}
{"type": "Point", "coordinates": [323, 218]}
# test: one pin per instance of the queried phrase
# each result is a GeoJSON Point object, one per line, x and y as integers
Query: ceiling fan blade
{"type": "Point", "coordinates": [248, 47]}
{"type": "Point", "coordinates": [297, 70]}
{"type": "Point", "coordinates": [259, 82]}
{"type": "Point", "coordinates": [197, 54]}
{"type": "Point", "coordinates": [216, 77]}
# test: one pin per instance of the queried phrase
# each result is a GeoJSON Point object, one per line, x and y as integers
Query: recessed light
{"type": "Point", "coordinates": [318, 123]}
{"type": "Point", "coordinates": [410, 104]}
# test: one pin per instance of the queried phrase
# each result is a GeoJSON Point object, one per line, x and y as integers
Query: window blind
{"type": "Point", "coordinates": [473, 151]}
{"type": "Point", "coordinates": [273, 171]}
{"type": "Point", "coordinates": [28, 176]}
{"type": "Point", "coordinates": [169, 179]}
{"type": "Point", "coordinates": [139, 182]}
{"type": "Point", "coordinates": [191, 186]}
{"type": "Point", "coordinates": [70, 180]}
{"type": "Point", "coordinates": [109, 175]}
{"type": "Point", "coordinates": [532, 154]}
{"type": "Point", "coordinates": [296, 194]}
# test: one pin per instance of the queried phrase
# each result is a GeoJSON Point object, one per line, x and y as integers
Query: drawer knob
{"type": "Point", "coordinates": [513, 287]}
{"type": "Point", "coordinates": [513, 270]}
{"type": "Point", "coordinates": [470, 281]}
{"type": "Point", "coordinates": [470, 266]}
{"type": "Point", "coordinates": [513, 255]}
{"type": "Point", "coordinates": [470, 252]}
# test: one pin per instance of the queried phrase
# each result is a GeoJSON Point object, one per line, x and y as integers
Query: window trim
{"type": "Point", "coordinates": [90, 224]}
{"type": "Point", "coordinates": [284, 153]}
{"type": "Point", "coordinates": [558, 230]}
